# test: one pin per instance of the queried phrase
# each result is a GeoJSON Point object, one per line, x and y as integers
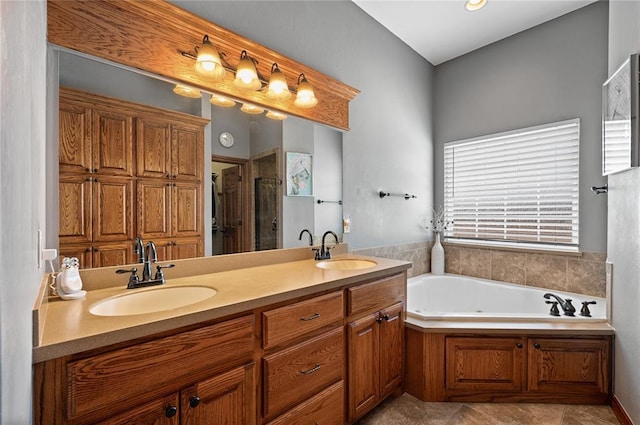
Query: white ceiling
{"type": "Point", "coordinates": [440, 30]}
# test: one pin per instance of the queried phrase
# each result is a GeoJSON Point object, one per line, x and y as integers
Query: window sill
{"type": "Point", "coordinates": [570, 252]}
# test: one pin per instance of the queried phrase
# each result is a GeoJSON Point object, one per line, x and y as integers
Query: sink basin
{"type": "Point", "coordinates": [346, 264]}
{"type": "Point", "coordinates": [152, 300]}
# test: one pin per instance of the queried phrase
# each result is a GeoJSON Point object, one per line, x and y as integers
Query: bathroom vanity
{"type": "Point", "coordinates": [282, 343]}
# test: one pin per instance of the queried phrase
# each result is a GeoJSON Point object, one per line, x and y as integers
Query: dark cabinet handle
{"type": "Point", "coordinates": [519, 345]}
{"type": "Point", "coordinates": [385, 317]}
{"type": "Point", "coordinates": [379, 319]}
{"type": "Point", "coordinates": [536, 345]}
{"type": "Point", "coordinates": [95, 170]}
{"type": "Point", "coordinates": [310, 371]}
{"type": "Point", "coordinates": [194, 401]}
{"type": "Point", "coordinates": [312, 317]}
{"type": "Point", "coordinates": [171, 411]}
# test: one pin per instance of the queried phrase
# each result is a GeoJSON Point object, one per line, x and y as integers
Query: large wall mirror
{"type": "Point", "coordinates": [245, 206]}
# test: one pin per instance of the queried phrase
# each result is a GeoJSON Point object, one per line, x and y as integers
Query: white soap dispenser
{"type": "Point", "coordinates": [68, 281]}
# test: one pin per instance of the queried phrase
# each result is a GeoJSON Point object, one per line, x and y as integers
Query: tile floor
{"type": "Point", "coordinates": [408, 410]}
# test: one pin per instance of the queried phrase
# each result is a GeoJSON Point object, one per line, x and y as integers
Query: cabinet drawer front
{"type": "Point", "coordinates": [326, 408]}
{"type": "Point", "coordinates": [294, 374]}
{"type": "Point", "coordinates": [376, 295]}
{"type": "Point", "coordinates": [166, 364]}
{"type": "Point", "coordinates": [292, 321]}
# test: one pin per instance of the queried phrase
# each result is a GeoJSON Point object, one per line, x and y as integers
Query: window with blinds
{"type": "Point", "coordinates": [515, 188]}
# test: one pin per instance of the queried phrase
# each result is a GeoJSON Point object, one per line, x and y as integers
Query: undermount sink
{"type": "Point", "coordinates": [346, 264]}
{"type": "Point", "coordinates": [152, 300]}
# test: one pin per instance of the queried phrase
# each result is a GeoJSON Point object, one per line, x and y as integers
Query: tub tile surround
{"type": "Point", "coordinates": [582, 274]}
{"type": "Point", "coordinates": [407, 409]}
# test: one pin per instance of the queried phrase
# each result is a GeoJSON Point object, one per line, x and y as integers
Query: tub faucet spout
{"type": "Point", "coordinates": [567, 308]}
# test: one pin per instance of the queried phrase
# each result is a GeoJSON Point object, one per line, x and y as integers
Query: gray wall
{"type": "Point", "coordinates": [623, 241]}
{"type": "Point", "coordinates": [389, 145]}
{"type": "Point", "coordinates": [552, 72]}
{"type": "Point", "coordinates": [22, 195]}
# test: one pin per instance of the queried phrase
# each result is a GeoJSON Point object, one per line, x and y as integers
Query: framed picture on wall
{"type": "Point", "coordinates": [619, 122]}
{"type": "Point", "coordinates": [299, 174]}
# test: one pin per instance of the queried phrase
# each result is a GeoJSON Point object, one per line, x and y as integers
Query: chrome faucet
{"type": "Point", "coordinates": [310, 236]}
{"type": "Point", "coordinates": [565, 304]}
{"type": "Point", "coordinates": [325, 253]}
{"type": "Point", "coordinates": [149, 259]}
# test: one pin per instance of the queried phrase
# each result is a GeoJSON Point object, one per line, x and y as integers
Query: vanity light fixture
{"type": "Point", "coordinates": [251, 109]}
{"type": "Point", "coordinates": [218, 100]}
{"type": "Point", "coordinates": [212, 64]}
{"type": "Point", "coordinates": [187, 91]}
{"type": "Point", "coordinates": [208, 60]}
{"type": "Point", "coordinates": [473, 5]}
{"type": "Point", "coordinates": [275, 115]}
{"type": "Point", "coordinates": [305, 98]}
{"type": "Point", "coordinates": [246, 73]}
{"type": "Point", "coordinates": [278, 88]}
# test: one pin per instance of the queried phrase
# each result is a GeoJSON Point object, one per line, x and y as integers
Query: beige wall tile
{"type": "Point", "coordinates": [546, 271]}
{"type": "Point", "coordinates": [508, 266]}
{"type": "Point", "coordinates": [586, 277]}
{"type": "Point", "coordinates": [451, 259]}
{"type": "Point", "coordinates": [475, 262]}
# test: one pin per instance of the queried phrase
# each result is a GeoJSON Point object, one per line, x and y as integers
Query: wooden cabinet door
{"type": "Point", "coordinates": [153, 209]}
{"type": "Point", "coordinates": [391, 349]}
{"type": "Point", "coordinates": [489, 364]}
{"type": "Point", "coordinates": [186, 209]}
{"type": "Point", "coordinates": [364, 365]}
{"type": "Point", "coordinates": [232, 210]}
{"type": "Point", "coordinates": [112, 142]}
{"type": "Point", "coordinates": [115, 254]}
{"type": "Point", "coordinates": [163, 411]}
{"type": "Point", "coordinates": [153, 148]}
{"type": "Point", "coordinates": [74, 138]}
{"type": "Point", "coordinates": [226, 399]}
{"type": "Point", "coordinates": [112, 209]}
{"type": "Point", "coordinates": [186, 248]}
{"type": "Point", "coordinates": [84, 254]}
{"type": "Point", "coordinates": [74, 199]}
{"type": "Point", "coordinates": [186, 152]}
{"type": "Point", "coordinates": [578, 366]}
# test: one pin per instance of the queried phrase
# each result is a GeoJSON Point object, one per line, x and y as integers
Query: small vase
{"type": "Point", "coordinates": [437, 256]}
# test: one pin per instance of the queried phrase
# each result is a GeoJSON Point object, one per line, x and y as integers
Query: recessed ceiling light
{"type": "Point", "coordinates": [473, 5]}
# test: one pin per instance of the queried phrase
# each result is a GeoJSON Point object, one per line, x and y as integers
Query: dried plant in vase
{"type": "Point", "coordinates": [438, 225]}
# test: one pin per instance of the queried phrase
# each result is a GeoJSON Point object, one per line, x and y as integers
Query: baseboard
{"type": "Point", "coordinates": [619, 411]}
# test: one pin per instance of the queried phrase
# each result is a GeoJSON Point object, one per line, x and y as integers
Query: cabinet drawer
{"type": "Point", "coordinates": [292, 321]}
{"type": "Point", "coordinates": [376, 295]}
{"type": "Point", "coordinates": [158, 366]}
{"type": "Point", "coordinates": [295, 374]}
{"type": "Point", "coordinates": [326, 408]}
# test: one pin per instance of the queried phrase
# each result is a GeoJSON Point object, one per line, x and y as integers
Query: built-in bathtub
{"type": "Point", "coordinates": [476, 340]}
{"type": "Point", "coordinates": [455, 297]}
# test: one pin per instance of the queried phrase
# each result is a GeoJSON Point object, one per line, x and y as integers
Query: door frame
{"type": "Point", "coordinates": [246, 197]}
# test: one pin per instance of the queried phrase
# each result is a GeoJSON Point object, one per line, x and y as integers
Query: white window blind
{"type": "Point", "coordinates": [519, 187]}
{"type": "Point", "coordinates": [616, 149]}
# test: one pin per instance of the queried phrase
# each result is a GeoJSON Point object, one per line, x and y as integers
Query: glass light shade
{"type": "Point", "coordinates": [472, 5]}
{"type": "Point", "coordinates": [218, 100]}
{"type": "Point", "coordinates": [278, 87]}
{"type": "Point", "coordinates": [251, 109]}
{"type": "Point", "coordinates": [305, 98]}
{"type": "Point", "coordinates": [246, 74]}
{"type": "Point", "coordinates": [276, 115]}
{"type": "Point", "coordinates": [187, 91]}
{"type": "Point", "coordinates": [208, 61]}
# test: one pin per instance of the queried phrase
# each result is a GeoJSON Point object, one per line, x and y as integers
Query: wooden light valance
{"type": "Point", "coordinates": [150, 36]}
